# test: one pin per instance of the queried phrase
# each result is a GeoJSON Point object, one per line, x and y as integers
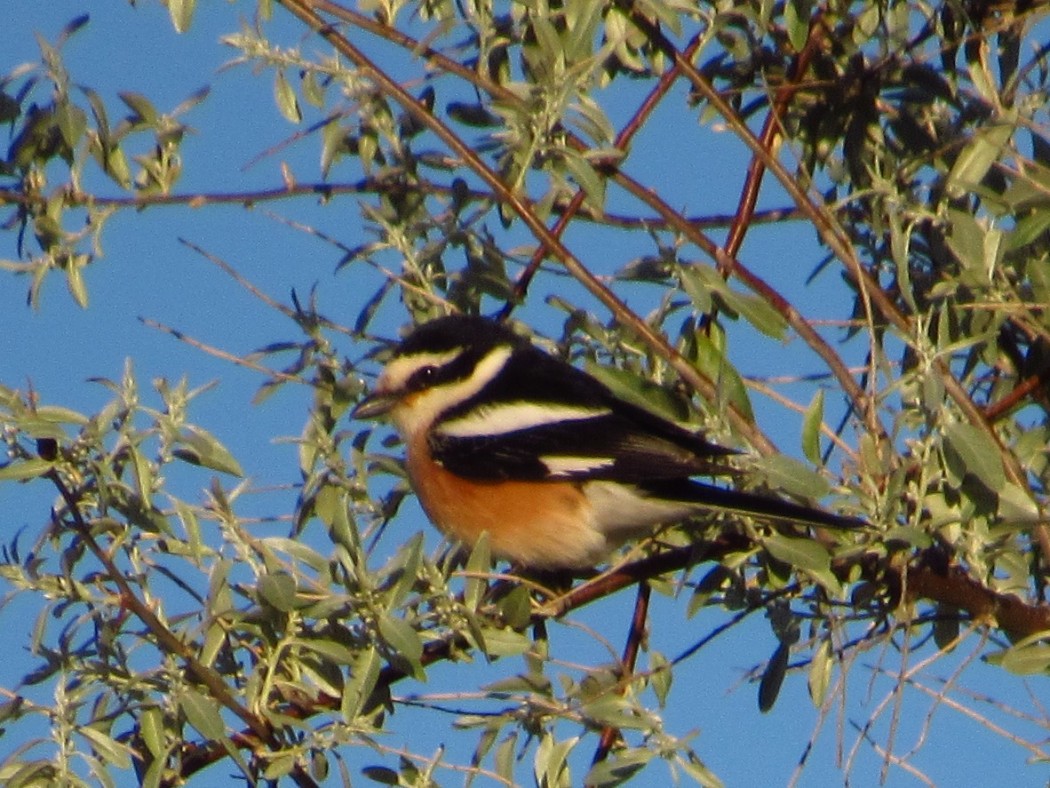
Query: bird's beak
{"type": "Point", "coordinates": [375, 405]}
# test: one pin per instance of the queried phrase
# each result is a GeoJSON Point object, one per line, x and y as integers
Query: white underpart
{"type": "Point", "coordinates": [568, 466]}
{"type": "Point", "coordinates": [619, 510]}
{"type": "Point", "coordinates": [427, 405]}
{"type": "Point", "coordinates": [514, 416]}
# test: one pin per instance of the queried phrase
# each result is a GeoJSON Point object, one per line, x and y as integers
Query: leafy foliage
{"type": "Point", "coordinates": [479, 143]}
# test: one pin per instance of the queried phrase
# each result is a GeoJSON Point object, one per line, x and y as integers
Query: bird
{"type": "Point", "coordinates": [504, 439]}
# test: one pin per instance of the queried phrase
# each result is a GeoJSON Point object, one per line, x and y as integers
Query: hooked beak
{"type": "Point", "coordinates": [375, 405]}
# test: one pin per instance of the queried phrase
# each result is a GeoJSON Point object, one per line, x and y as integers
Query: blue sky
{"type": "Point", "coordinates": [147, 272]}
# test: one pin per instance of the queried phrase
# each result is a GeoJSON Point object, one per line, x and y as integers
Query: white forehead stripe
{"type": "Point", "coordinates": [570, 466]}
{"type": "Point", "coordinates": [514, 416]}
{"type": "Point", "coordinates": [396, 374]}
{"type": "Point", "coordinates": [431, 403]}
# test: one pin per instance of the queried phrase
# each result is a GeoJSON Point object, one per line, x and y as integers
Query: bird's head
{"type": "Point", "coordinates": [439, 365]}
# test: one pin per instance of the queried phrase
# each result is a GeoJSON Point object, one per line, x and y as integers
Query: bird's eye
{"type": "Point", "coordinates": [424, 377]}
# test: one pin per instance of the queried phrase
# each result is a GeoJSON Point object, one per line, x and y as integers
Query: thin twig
{"type": "Point", "coordinates": [610, 733]}
{"type": "Point", "coordinates": [219, 353]}
{"type": "Point", "coordinates": [261, 732]}
{"type": "Point", "coordinates": [306, 12]}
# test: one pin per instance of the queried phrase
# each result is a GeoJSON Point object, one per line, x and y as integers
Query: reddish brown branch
{"type": "Point", "coordinates": [1006, 612]}
{"type": "Point", "coordinates": [259, 730]}
{"type": "Point", "coordinates": [1017, 396]}
{"type": "Point", "coordinates": [921, 581]}
{"type": "Point", "coordinates": [306, 12]}
{"type": "Point", "coordinates": [622, 142]}
{"type": "Point", "coordinates": [770, 136]}
{"type": "Point", "coordinates": [838, 241]}
{"type": "Point", "coordinates": [610, 733]}
{"type": "Point", "coordinates": [649, 197]}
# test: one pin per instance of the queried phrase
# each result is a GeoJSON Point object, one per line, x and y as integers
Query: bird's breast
{"type": "Point", "coordinates": [537, 524]}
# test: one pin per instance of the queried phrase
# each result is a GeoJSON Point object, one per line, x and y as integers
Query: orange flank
{"type": "Point", "coordinates": [535, 529]}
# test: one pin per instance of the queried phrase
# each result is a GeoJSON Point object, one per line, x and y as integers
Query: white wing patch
{"type": "Point", "coordinates": [570, 466]}
{"type": "Point", "coordinates": [514, 416]}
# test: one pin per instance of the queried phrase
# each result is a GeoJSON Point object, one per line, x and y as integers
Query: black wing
{"type": "Point", "coordinates": [763, 507]}
{"type": "Point", "coordinates": [621, 442]}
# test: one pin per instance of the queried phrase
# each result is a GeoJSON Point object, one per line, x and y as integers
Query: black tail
{"type": "Point", "coordinates": [763, 507]}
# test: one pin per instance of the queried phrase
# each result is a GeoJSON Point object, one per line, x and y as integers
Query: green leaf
{"type": "Point", "coordinates": [788, 475]}
{"type": "Point", "coordinates": [946, 626]}
{"type": "Point", "coordinates": [382, 775]}
{"type": "Point", "coordinates": [516, 608]}
{"type": "Point", "coordinates": [111, 750]}
{"type": "Point", "coordinates": [33, 774]}
{"type": "Point", "coordinates": [287, 102]}
{"type": "Point", "coordinates": [699, 283]}
{"type": "Point", "coordinates": [60, 415]}
{"type": "Point", "coordinates": [506, 757]}
{"type": "Point", "coordinates": [12, 708]}
{"type": "Point", "coordinates": [550, 764]}
{"type": "Point", "coordinates": [181, 12]}
{"type": "Point", "coordinates": [299, 550]}
{"type": "Point", "coordinates": [328, 648]}
{"type": "Point", "coordinates": [1016, 506]}
{"type": "Point", "coordinates": [75, 280]}
{"type": "Point", "coordinates": [811, 423]}
{"type": "Point", "coordinates": [71, 121]}
{"type": "Point", "coordinates": [143, 108]}
{"type": "Point", "coordinates": [328, 502]}
{"type": "Point", "coordinates": [203, 714]}
{"type": "Point", "coordinates": [1028, 229]}
{"type": "Point", "coordinates": [587, 177]}
{"type": "Point", "coordinates": [619, 767]}
{"type": "Point", "coordinates": [977, 158]}
{"type": "Point", "coordinates": [200, 447]}
{"type": "Point", "coordinates": [319, 767]}
{"type": "Point", "coordinates": [402, 639]}
{"type": "Point", "coordinates": [1026, 658]}
{"type": "Point", "coordinates": [278, 590]}
{"type": "Point", "coordinates": [705, 286]}
{"type": "Point", "coordinates": [638, 391]}
{"type": "Point", "coordinates": [966, 241]}
{"type": "Point", "coordinates": [978, 453]}
{"type": "Point", "coordinates": [313, 92]}
{"type": "Point", "coordinates": [26, 469]}
{"type": "Point", "coordinates": [796, 20]}
{"type": "Point", "coordinates": [408, 559]}
{"type": "Point", "coordinates": [278, 767]}
{"type": "Point", "coordinates": [914, 537]}
{"type": "Point", "coordinates": [713, 363]}
{"type": "Point", "coordinates": [116, 166]}
{"type": "Point", "coordinates": [773, 677]}
{"type": "Point", "coordinates": [155, 773]}
{"type": "Point", "coordinates": [760, 314]}
{"type": "Point", "coordinates": [479, 565]}
{"type": "Point", "coordinates": [143, 473]}
{"type": "Point", "coordinates": [806, 554]}
{"type": "Point", "coordinates": [504, 642]}
{"type": "Point", "coordinates": [661, 676]}
{"type": "Point", "coordinates": [363, 677]}
{"type": "Point", "coordinates": [333, 145]}
{"type": "Point", "coordinates": [151, 728]}
{"type": "Point", "coordinates": [820, 672]}
{"type": "Point", "coordinates": [695, 768]}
